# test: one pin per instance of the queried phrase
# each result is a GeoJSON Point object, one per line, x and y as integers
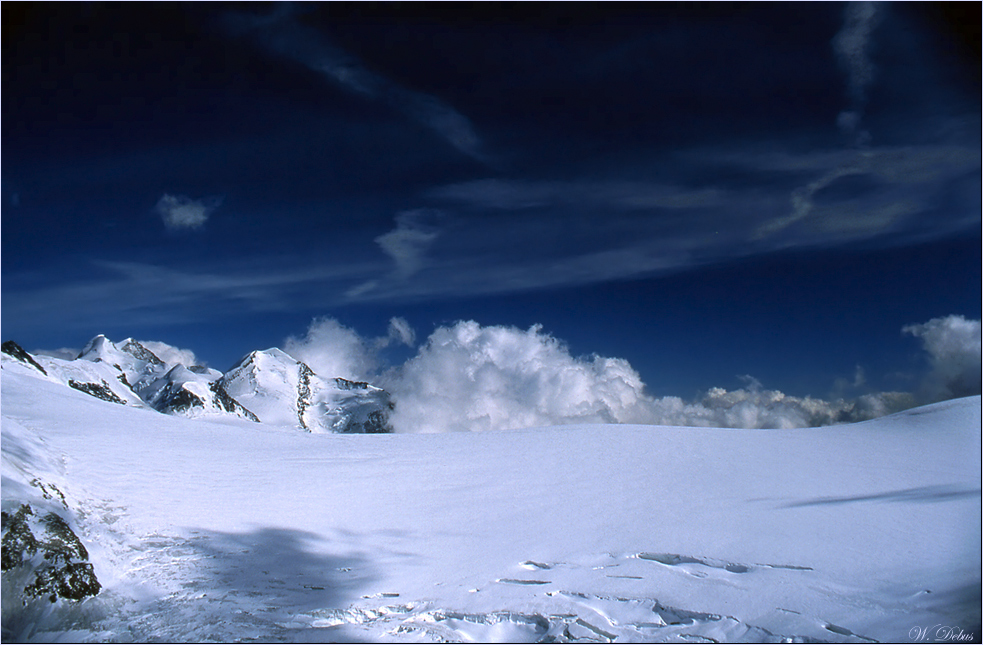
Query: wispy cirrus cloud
{"type": "Point", "coordinates": [283, 35]}
{"type": "Point", "coordinates": [518, 234]}
{"type": "Point", "coordinates": [902, 186]}
{"type": "Point", "coordinates": [851, 46]}
{"type": "Point", "coordinates": [518, 194]}
{"type": "Point", "coordinates": [153, 294]}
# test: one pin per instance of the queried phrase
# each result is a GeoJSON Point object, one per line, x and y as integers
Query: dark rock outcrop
{"type": "Point", "coordinates": [180, 399]}
{"type": "Point", "coordinates": [229, 404]}
{"type": "Point", "coordinates": [177, 398]}
{"type": "Point", "coordinates": [12, 349]}
{"type": "Point", "coordinates": [135, 349]}
{"type": "Point", "coordinates": [18, 540]}
{"type": "Point", "coordinates": [99, 390]}
{"type": "Point", "coordinates": [62, 571]}
{"type": "Point", "coordinates": [345, 384]}
{"type": "Point", "coordinates": [304, 393]}
{"type": "Point", "coordinates": [377, 423]}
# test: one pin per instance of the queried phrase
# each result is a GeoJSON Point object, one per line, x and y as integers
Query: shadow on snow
{"type": "Point", "coordinates": [260, 585]}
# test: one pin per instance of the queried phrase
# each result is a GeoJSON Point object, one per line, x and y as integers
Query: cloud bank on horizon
{"type": "Point", "coordinates": [469, 377]}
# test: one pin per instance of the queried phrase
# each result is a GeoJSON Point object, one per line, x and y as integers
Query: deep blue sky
{"type": "Point", "coordinates": [706, 190]}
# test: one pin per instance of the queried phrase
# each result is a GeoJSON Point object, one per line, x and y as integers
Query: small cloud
{"type": "Point", "coordinates": [400, 331]}
{"type": "Point", "coordinates": [170, 354]}
{"type": "Point", "coordinates": [179, 212]}
{"type": "Point", "coordinates": [859, 377]}
{"type": "Point", "coordinates": [407, 243]}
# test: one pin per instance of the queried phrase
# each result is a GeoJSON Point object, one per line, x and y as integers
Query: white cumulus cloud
{"type": "Point", "coordinates": [953, 346]}
{"type": "Point", "coordinates": [332, 350]}
{"type": "Point", "coordinates": [469, 377]}
{"type": "Point", "coordinates": [472, 378]}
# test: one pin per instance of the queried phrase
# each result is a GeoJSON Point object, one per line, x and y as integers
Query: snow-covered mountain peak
{"type": "Point", "coordinates": [280, 389]}
{"type": "Point", "coordinates": [273, 358]}
{"type": "Point", "coordinates": [98, 349]}
{"type": "Point", "coordinates": [267, 382]}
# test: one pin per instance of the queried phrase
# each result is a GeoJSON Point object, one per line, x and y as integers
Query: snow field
{"type": "Point", "coordinates": [204, 530]}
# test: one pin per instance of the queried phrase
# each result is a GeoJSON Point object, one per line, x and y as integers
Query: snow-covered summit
{"type": "Point", "coordinates": [282, 390]}
{"type": "Point", "coordinates": [136, 362]}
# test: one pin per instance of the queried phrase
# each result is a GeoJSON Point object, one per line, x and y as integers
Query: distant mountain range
{"type": "Point", "coordinates": [266, 386]}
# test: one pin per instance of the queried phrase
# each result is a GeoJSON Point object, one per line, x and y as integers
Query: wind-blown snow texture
{"type": "Point", "coordinates": [219, 528]}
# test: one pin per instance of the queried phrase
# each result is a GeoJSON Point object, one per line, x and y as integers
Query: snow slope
{"type": "Point", "coordinates": [230, 530]}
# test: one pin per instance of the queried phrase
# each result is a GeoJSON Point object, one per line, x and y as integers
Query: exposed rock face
{"type": "Point", "coordinates": [98, 390]}
{"type": "Point", "coordinates": [304, 397]}
{"type": "Point", "coordinates": [179, 399]}
{"type": "Point", "coordinates": [228, 403]}
{"type": "Point", "coordinates": [377, 423]}
{"type": "Point", "coordinates": [55, 555]}
{"type": "Point", "coordinates": [187, 392]}
{"type": "Point", "coordinates": [10, 348]}
{"type": "Point", "coordinates": [135, 349]}
{"type": "Point", "coordinates": [345, 384]}
{"type": "Point", "coordinates": [18, 540]}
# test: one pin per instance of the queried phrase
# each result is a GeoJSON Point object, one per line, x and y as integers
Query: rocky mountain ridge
{"type": "Point", "coordinates": [265, 386]}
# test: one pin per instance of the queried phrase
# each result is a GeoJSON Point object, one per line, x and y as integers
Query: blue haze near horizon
{"type": "Point", "coordinates": [708, 191]}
